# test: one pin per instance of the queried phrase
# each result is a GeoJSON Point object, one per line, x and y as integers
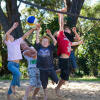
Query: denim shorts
{"type": "Point", "coordinates": [34, 77]}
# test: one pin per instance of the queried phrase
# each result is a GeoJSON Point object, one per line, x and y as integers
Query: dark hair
{"type": "Point", "coordinates": [66, 26]}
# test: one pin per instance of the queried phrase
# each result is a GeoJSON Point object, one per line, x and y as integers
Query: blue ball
{"type": "Point", "coordinates": [31, 19]}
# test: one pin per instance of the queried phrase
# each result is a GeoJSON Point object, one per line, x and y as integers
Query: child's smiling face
{"type": "Point", "coordinates": [45, 42]}
{"type": "Point", "coordinates": [11, 38]}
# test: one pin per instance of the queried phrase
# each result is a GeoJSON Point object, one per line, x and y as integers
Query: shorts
{"type": "Point", "coordinates": [73, 60]}
{"type": "Point", "coordinates": [34, 77]}
{"type": "Point", "coordinates": [64, 65]}
{"type": "Point", "coordinates": [45, 74]}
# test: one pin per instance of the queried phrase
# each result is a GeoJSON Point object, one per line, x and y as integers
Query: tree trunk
{"type": "Point", "coordinates": [3, 53]}
{"type": "Point", "coordinates": [14, 16]}
{"type": "Point", "coordinates": [6, 22]}
{"type": "Point", "coordinates": [73, 7]}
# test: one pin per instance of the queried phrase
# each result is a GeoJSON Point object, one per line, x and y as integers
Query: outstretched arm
{"type": "Point", "coordinates": [15, 25]}
{"type": "Point", "coordinates": [61, 19]}
{"type": "Point", "coordinates": [49, 33]}
{"type": "Point", "coordinates": [76, 34]}
{"type": "Point", "coordinates": [29, 32]}
{"type": "Point", "coordinates": [30, 52]}
{"type": "Point", "coordinates": [37, 35]}
{"type": "Point", "coordinates": [77, 43]}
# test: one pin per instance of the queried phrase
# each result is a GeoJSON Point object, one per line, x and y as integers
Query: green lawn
{"type": "Point", "coordinates": [86, 78]}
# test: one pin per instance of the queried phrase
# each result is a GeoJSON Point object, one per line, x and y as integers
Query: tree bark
{"type": "Point", "coordinates": [3, 53]}
{"type": "Point", "coordinates": [74, 7]}
{"type": "Point", "coordinates": [6, 21]}
{"type": "Point", "coordinates": [14, 16]}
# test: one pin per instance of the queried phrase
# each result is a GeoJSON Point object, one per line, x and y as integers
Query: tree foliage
{"type": "Point", "coordinates": [88, 54]}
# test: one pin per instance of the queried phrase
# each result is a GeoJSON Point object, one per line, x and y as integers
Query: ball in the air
{"type": "Point", "coordinates": [30, 20]}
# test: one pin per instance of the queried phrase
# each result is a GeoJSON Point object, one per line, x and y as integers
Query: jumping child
{"type": "Point", "coordinates": [45, 60]}
{"type": "Point", "coordinates": [14, 56]}
{"type": "Point", "coordinates": [64, 51]}
{"type": "Point", "coordinates": [30, 55]}
{"type": "Point", "coordinates": [72, 35]}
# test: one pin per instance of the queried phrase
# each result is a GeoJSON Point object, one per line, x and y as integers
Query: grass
{"type": "Point", "coordinates": [6, 77]}
{"type": "Point", "coordinates": [86, 78]}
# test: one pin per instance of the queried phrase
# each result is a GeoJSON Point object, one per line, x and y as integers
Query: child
{"type": "Point", "coordinates": [45, 60]}
{"type": "Point", "coordinates": [71, 36]}
{"type": "Point", "coordinates": [64, 51]}
{"type": "Point", "coordinates": [30, 55]}
{"type": "Point", "coordinates": [14, 56]}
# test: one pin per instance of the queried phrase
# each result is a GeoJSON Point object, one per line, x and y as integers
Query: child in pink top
{"type": "Point", "coordinates": [14, 56]}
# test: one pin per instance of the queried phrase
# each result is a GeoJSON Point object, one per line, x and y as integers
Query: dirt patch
{"type": "Point", "coordinates": [69, 91]}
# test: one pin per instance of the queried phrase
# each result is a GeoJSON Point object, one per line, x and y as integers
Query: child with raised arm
{"type": "Point", "coordinates": [72, 35]}
{"type": "Point", "coordinates": [30, 55]}
{"type": "Point", "coordinates": [45, 60]}
{"type": "Point", "coordinates": [14, 56]}
{"type": "Point", "coordinates": [64, 51]}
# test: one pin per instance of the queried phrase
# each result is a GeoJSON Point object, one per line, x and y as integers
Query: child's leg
{"type": "Point", "coordinates": [8, 97]}
{"type": "Point", "coordinates": [28, 90]}
{"type": "Point", "coordinates": [73, 61]}
{"type": "Point", "coordinates": [44, 80]}
{"type": "Point", "coordinates": [57, 72]}
{"type": "Point", "coordinates": [35, 93]}
{"type": "Point", "coordinates": [14, 68]}
{"type": "Point", "coordinates": [57, 89]}
{"type": "Point", "coordinates": [45, 94]}
{"type": "Point", "coordinates": [64, 64]}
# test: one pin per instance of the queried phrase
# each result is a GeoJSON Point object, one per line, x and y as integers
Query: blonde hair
{"type": "Point", "coordinates": [45, 37]}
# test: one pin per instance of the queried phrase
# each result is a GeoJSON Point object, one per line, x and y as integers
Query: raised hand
{"type": "Point", "coordinates": [64, 9]}
{"type": "Point", "coordinates": [74, 29]}
{"type": "Point", "coordinates": [15, 25]}
{"type": "Point", "coordinates": [81, 42]}
{"type": "Point", "coordinates": [37, 26]}
{"type": "Point", "coordinates": [48, 31]}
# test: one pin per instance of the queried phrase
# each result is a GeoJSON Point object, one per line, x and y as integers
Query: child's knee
{"type": "Point", "coordinates": [44, 85]}
{"type": "Point", "coordinates": [17, 74]}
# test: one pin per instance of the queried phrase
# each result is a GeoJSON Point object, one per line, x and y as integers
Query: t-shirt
{"type": "Point", "coordinates": [14, 51]}
{"type": "Point", "coordinates": [31, 61]}
{"type": "Point", "coordinates": [64, 45]}
{"type": "Point", "coordinates": [44, 57]}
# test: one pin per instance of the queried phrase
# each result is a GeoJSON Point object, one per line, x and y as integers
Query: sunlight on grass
{"type": "Point", "coordinates": [85, 78]}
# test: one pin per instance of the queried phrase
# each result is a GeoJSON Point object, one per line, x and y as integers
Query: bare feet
{"type": "Point", "coordinates": [45, 97]}
{"type": "Point", "coordinates": [8, 97]}
{"type": "Point", "coordinates": [24, 98]}
{"type": "Point", "coordinates": [34, 98]}
{"type": "Point", "coordinates": [57, 92]}
{"type": "Point", "coordinates": [13, 90]}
